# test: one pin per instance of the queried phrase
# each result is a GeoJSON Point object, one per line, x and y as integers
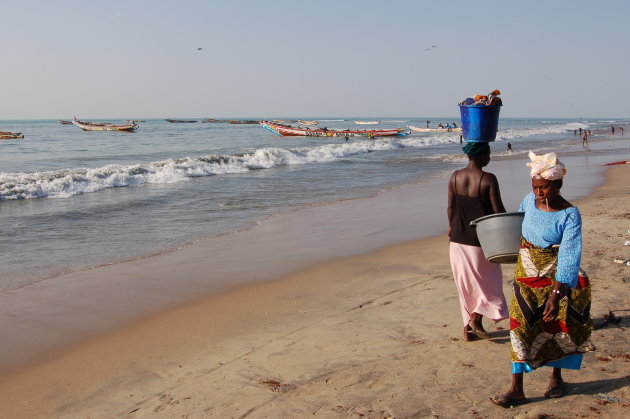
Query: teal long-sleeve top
{"type": "Point", "coordinates": [564, 227]}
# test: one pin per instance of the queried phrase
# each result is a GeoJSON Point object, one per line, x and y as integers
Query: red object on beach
{"type": "Point", "coordinates": [617, 162]}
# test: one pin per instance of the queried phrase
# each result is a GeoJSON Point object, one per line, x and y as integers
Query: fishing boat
{"type": "Point", "coordinates": [180, 121]}
{"type": "Point", "coordinates": [133, 121]}
{"type": "Point", "coordinates": [64, 122]}
{"type": "Point", "coordinates": [103, 126]}
{"type": "Point", "coordinates": [241, 122]}
{"type": "Point", "coordinates": [6, 135]}
{"type": "Point", "coordinates": [367, 122]}
{"type": "Point", "coordinates": [443, 129]}
{"type": "Point", "coordinates": [303, 122]}
{"type": "Point", "coordinates": [290, 131]}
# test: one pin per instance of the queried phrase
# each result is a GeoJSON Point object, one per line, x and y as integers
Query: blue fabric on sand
{"type": "Point", "coordinates": [571, 362]}
{"type": "Point", "coordinates": [563, 227]}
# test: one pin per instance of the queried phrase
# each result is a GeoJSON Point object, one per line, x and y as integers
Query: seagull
{"type": "Point", "coordinates": [199, 49]}
{"type": "Point", "coordinates": [429, 49]}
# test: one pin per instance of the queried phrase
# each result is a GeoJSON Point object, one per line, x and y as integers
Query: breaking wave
{"type": "Point", "coordinates": [68, 182]}
{"type": "Point", "coordinates": [511, 134]}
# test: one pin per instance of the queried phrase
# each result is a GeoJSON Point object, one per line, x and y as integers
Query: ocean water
{"type": "Point", "coordinates": [70, 199]}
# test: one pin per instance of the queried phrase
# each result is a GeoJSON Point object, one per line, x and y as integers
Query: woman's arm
{"type": "Point", "coordinates": [451, 201]}
{"type": "Point", "coordinates": [495, 195]}
{"type": "Point", "coordinates": [570, 252]}
{"type": "Point", "coordinates": [569, 257]}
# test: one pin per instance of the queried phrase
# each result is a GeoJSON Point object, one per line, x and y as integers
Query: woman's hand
{"type": "Point", "coordinates": [551, 308]}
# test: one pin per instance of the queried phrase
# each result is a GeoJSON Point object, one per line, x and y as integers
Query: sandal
{"type": "Point", "coordinates": [555, 392]}
{"type": "Point", "coordinates": [481, 334]}
{"type": "Point", "coordinates": [503, 401]}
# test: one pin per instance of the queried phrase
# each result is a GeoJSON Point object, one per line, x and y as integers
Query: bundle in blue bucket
{"type": "Point", "coordinates": [480, 117]}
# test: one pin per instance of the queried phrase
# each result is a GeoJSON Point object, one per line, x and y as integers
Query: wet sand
{"type": "Point", "coordinates": [52, 314]}
{"type": "Point", "coordinates": [375, 334]}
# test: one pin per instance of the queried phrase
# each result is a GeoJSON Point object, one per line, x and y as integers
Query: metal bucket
{"type": "Point", "coordinates": [500, 236]}
{"type": "Point", "coordinates": [479, 122]}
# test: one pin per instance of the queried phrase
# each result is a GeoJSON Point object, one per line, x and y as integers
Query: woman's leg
{"type": "Point", "coordinates": [514, 395]}
{"type": "Point", "coordinates": [516, 390]}
{"type": "Point", "coordinates": [476, 322]}
{"type": "Point", "coordinates": [556, 384]}
{"type": "Point", "coordinates": [476, 326]}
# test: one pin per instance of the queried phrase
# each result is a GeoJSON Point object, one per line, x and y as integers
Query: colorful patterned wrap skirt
{"type": "Point", "coordinates": [534, 342]}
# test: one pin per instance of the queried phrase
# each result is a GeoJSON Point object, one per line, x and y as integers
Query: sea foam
{"type": "Point", "coordinates": [68, 182]}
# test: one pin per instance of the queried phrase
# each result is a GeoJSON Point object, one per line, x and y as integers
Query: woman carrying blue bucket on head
{"type": "Point", "coordinates": [473, 193]}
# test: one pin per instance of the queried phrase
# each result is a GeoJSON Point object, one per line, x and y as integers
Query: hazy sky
{"type": "Point", "coordinates": [316, 58]}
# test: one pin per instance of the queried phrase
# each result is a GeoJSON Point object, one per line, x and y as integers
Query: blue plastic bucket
{"type": "Point", "coordinates": [480, 122]}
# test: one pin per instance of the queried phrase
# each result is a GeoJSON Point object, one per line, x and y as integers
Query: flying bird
{"type": "Point", "coordinates": [429, 49]}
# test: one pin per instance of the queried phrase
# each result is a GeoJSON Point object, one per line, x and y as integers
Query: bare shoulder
{"type": "Point", "coordinates": [489, 178]}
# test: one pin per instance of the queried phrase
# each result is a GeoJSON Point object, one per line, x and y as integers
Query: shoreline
{"type": "Point", "coordinates": [51, 315]}
{"type": "Point", "coordinates": [291, 331]}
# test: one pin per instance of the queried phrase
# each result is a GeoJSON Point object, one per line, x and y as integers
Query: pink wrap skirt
{"type": "Point", "coordinates": [479, 283]}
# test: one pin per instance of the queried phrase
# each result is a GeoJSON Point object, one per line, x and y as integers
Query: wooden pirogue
{"type": "Point", "coordinates": [290, 131]}
{"type": "Point", "coordinates": [103, 126]}
{"type": "Point", "coordinates": [6, 135]}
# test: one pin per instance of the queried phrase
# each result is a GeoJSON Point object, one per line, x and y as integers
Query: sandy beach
{"type": "Point", "coordinates": [376, 335]}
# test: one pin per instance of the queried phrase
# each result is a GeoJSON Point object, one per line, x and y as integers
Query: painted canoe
{"type": "Point", "coordinates": [290, 131]}
{"type": "Point", "coordinates": [367, 122]}
{"type": "Point", "coordinates": [6, 135]}
{"type": "Point", "coordinates": [303, 122]}
{"type": "Point", "coordinates": [103, 126]}
{"type": "Point", "coordinates": [420, 129]}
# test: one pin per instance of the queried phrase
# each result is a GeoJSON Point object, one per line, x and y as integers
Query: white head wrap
{"type": "Point", "coordinates": [546, 166]}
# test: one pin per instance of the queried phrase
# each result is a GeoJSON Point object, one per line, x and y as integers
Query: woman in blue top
{"type": "Point", "coordinates": [550, 321]}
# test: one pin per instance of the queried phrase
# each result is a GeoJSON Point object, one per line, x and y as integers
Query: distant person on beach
{"type": "Point", "coordinates": [621, 129]}
{"type": "Point", "coordinates": [550, 322]}
{"type": "Point", "coordinates": [428, 123]}
{"type": "Point", "coordinates": [612, 128]}
{"type": "Point", "coordinates": [461, 138]}
{"type": "Point", "coordinates": [585, 139]}
{"type": "Point", "coordinates": [509, 148]}
{"type": "Point", "coordinates": [473, 193]}
{"type": "Point", "coordinates": [347, 137]}
{"type": "Point", "coordinates": [580, 130]}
